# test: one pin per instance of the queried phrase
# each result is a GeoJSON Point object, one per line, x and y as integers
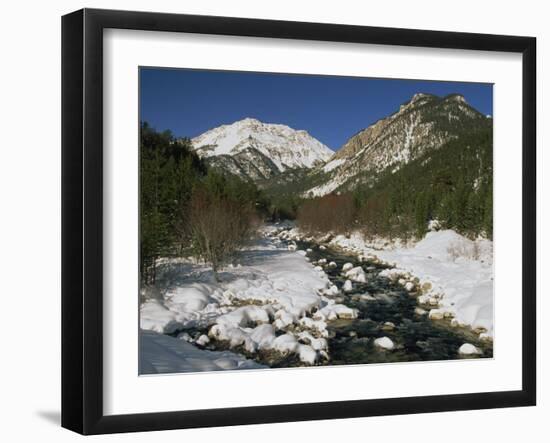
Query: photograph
{"type": "Point", "coordinates": [292, 220]}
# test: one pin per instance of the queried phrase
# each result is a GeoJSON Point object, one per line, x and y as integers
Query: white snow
{"type": "Point", "coordinates": [160, 353]}
{"type": "Point", "coordinates": [457, 273]}
{"type": "Point", "coordinates": [156, 317]}
{"type": "Point", "coordinates": [286, 147]}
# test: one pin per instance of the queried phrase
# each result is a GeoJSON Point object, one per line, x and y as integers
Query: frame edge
{"type": "Point", "coordinates": [72, 221]}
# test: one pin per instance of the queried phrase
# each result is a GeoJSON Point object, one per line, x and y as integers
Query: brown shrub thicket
{"type": "Point", "coordinates": [331, 213]}
{"type": "Point", "coordinates": [373, 216]}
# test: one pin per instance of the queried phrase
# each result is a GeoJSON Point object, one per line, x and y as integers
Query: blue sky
{"type": "Point", "coordinates": [331, 109]}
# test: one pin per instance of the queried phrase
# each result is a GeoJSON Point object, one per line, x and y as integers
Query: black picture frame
{"type": "Point", "coordinates": [82, 218]}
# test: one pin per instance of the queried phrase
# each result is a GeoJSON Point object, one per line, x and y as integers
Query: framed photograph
{"type": "Point", "coordinates": [269, 221]}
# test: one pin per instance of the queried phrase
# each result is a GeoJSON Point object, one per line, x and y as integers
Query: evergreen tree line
{"type": "Point", "coordinates": [452, 185]}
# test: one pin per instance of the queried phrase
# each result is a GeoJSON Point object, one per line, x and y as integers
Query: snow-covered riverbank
{"type": "Point", "coordinates": [162, 354]}
{"type": "Point", "coordinates": [272, 301]}
{"type": "Point", "coordinates": [455, 273]}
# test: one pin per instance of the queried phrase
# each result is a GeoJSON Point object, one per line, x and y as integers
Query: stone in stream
{"type": "Point", "coordinates": [367, 297]}
{"type": "Point", "coordinates": [384, 343]}
{"type": "Point", "coordinates": [436, 314]}
{"type": "Point", "coordinates": [388, 326]}
{"type": "Point", "coordinates": [420, 311]}
{"type": "Point", "coordinates": [332, 264]}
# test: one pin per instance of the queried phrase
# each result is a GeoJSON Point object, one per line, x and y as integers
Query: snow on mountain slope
{"type": "Point", "coordinates": [285, 147]}
{"type": "Point", "coordinates": [424, 123]}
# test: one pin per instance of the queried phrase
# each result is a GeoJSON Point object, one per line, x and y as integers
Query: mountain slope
{"type": "Point", "coordinates": [259, 151]}
{"type": "Point", "coordinates": [423, 124]}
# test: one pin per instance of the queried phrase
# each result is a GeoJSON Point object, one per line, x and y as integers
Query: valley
{"type": "Point", "coordinates": [265, 248]}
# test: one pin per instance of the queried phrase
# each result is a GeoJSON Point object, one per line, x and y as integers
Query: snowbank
{"type": "Point", "coordinates": [161, 354]}
{"type": "Point", "coordinates": [455, 274]}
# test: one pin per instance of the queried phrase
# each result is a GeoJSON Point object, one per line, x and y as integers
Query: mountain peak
{"type": "Point", "coordinates": [249, 138]}
{"type": "Point", "coordinates": [456, 98]}
{"type": "Point", "coordinates": [249, 121]}
{"type": "Point", "coordinates": [420, 96]}
{"type": "Point", "coordinates": [417, 99]}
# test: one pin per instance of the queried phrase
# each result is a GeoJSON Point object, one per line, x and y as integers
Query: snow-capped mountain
{"type": "Point", "coordinates": [257, 150]}
{"type": "Point", "coordinates": [424, 123]}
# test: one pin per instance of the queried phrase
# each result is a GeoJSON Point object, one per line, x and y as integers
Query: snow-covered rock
{"type": "Point", "coordinates": [384, 343]}
{"type": "Point", "coordinates": [307, 354]}
{"type": "Point", "coordinates": [469, 349]}
{"type": "Point", "coordinates": [436, 314]}
{"type": "Point", "coordinates": [348, 286]}
{"type": "Point", "coordinates": [203, 340]}
{"type": "Point", "coordinates": [285, 344]}
{"type": "Point", "coordinates": [334, 311]}
{"type": "Point", "coordinates": [357, 274]}
{"type": "Point", "coordinates": [347, 266]}
{"type": "Point", "coordinates": [331, 291]}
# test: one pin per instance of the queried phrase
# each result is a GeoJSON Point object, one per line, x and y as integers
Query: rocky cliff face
{"type": "Point", "coordinates": [425, 123]}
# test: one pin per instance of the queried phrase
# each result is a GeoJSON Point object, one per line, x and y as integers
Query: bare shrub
{"type": "Point", "coordinates": [218, 227]}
